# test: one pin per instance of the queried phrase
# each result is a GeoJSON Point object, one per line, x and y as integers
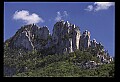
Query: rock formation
{"type": "Point", "coordinates": [30, 37]}
{"type": "Point", "coordinates": [85, 40]}
{"type": "Point", "coordinates": [66, 37]}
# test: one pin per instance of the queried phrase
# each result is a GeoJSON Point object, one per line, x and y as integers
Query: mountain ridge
{"type": "Point", "coordinates": [79, 41]}
{"type": "Point", "coordinates": [32, 40]}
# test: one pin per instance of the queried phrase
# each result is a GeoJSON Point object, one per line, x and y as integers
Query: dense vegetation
{"type": "Point", "coordinates": [35, 64]}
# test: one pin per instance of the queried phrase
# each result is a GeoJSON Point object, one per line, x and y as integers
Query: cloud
{"type": "Point", "coordinates": [26, 17]}
{"type": "Point", "coordinates": [89, 8]}
{"type": "Point", "coordinates": [99, 6]}
{"type": "Point", "coordinates": [103, 5]}
{"type": "Point", "coordinates": [65, 13]}
{"type": "Point", "coordinates": [60, 17]}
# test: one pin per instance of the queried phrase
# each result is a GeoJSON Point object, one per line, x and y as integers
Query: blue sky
{"type": "Point", "coordinates": [97, 17]}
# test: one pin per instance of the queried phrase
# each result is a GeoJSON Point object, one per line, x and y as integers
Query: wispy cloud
{"type": "Point", "coordinates": [89, 8]}
{"type": "Point", "coordinates": [61, 16]}
{"type": "Point", "coordinates": [65, 13]}
{"type": "Point", "coordinates": [26, 17]}
{"type": "Point", "coordinates": [99, 6]}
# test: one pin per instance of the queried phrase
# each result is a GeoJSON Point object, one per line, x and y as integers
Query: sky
{"type": "Point", "coordinates": [96, 17]}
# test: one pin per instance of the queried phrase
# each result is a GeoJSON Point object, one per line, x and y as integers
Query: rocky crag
{"type": "Point", "coordinates": [66, 38]}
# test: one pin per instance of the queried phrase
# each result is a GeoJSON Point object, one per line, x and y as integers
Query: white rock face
{"type": "Point", "coordinates": [30, 37]}
{"type": "Point", "coordinates": [75, 37]}
{"type": "Point", "coordinates": [70, 48]}
{"type": "Point", "coordinates": [85, 40]}
{"type": "Point", "coordinates": [66, 37]}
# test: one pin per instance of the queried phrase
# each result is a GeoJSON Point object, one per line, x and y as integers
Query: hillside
{"type": "Point", "coordinates": [33, 51]}
{"type": "Point", "coordinates": [34, 64]}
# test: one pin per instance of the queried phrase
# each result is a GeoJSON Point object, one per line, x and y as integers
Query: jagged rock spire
{"type": "Point", "coordinates": [65, 37]}
{"type": "Point", "coordinates": [85, 40]}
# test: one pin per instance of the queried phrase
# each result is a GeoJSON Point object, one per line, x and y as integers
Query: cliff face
{"type": "Point", "coordinates": [85, 40]}
{"type": "Point", "coordinates": [30, 37]}
{"type": "Point", "coordinates": [66, 37]}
